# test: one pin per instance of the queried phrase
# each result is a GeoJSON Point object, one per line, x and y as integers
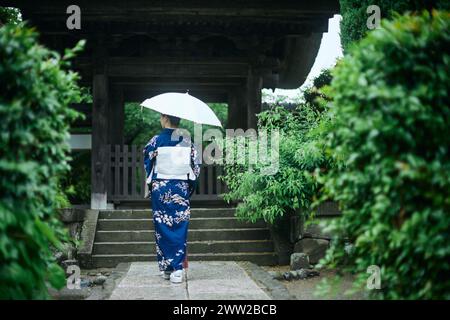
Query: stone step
{"type": "Point", "coordinates": [193, 235]}
{"type": "Point", "coordinates": [112, 260]}
{"type": "Point", "coordinates": [193, 247]}
{"type": "Point", "coordinates": [214, 234]}
{"type": "Point", "coordinates": [195, 223]}
{"type": "Point", "coordinates": [147, 214]}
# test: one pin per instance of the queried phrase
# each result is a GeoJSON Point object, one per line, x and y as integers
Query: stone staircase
{"type": "Point", "coordinates": [214, 234]}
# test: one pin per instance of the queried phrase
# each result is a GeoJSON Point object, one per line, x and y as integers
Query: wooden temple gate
{"type": "Point", "coordinates": [221, 51]}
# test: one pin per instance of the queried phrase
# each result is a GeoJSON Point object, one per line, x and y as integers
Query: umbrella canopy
{"type": "Point", "coordinates": [184, 106]}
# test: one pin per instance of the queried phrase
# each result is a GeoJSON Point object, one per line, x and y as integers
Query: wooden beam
{"type": "Point", "coordinates": [137, 96]}
{"type": "Point", "coordinates": [133, 68]}
{"type": "Point", "coordinates": [99, 156]}
{"type": "Point", "coordinates": [100, 152]}
{"type": "Point", "coordinates": [208, 84]}
{"type": "Point", "coordinates": [254, 86]}
{"type": "Point", "coordinates": [212, 84]}
{"type": "Point", "coordinates": [237, 108]}
{"type": "Point", "coordinates": [102, 9]}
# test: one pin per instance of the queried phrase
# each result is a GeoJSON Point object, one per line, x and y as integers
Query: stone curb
{"type": "Point", "coordinates": [113, 280]}
{"type": "Point", "coordinates": [275, 289]}
{"type": "Point", "coordinates": [87, 238]}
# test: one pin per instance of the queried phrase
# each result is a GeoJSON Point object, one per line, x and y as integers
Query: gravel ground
{"type": "Point", "coordinates": [93, 286]}
{"type": "Point", "coordinates": [306, 289]}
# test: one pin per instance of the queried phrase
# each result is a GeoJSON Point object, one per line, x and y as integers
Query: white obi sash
{"type": "Point", "coordinates": [173, 163]}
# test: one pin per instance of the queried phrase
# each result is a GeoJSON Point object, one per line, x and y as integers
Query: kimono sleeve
{"type": "Point", "coordinates": [149, 156]}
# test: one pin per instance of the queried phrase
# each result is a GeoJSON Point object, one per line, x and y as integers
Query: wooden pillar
{"type": "Point", "coordinates": [254, 86]}
{"type": "Point", "coordinates": [237, 108]}
{"type": "Point", "coordinates": [99, 153]}
{"type": "Point", "coordinates": [116, 116]}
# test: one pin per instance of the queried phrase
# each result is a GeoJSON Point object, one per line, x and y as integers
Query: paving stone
{"type": "Point", "coordinates": [149, 293]}
{"type": "Point", "coordinates": [226, 286]}
{"type": "Point", "coordinates": [226, 296]}
{"type": "Point", "coordinates": [215, 270]}
{"type": "Point", "coordinates": [205, 280]}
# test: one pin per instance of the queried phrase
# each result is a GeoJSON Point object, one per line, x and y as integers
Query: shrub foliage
{"type": "Point", "coordinates": [35, 93]}
{"type": "Point", "coordinates": [354, 15]}
{"type": "Point", "coordinates": [391, 134]}
{"type": "Point", "coordinates": [294, 186]}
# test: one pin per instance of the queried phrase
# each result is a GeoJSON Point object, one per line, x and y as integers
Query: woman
{"type": "Point", "coordinates": [172, 168]}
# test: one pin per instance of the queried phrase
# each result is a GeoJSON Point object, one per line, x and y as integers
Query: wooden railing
{"type": "Point", "coordinates": [126, 178]}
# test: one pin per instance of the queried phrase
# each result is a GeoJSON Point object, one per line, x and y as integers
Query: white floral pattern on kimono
{"type": "Point", "coordinates": [170, 205]}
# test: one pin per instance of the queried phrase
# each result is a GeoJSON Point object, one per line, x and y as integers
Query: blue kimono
{"type": "Point", "coordinates": [170, 203]}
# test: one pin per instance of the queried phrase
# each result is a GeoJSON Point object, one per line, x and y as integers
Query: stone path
{"type": "Point", "coordinates": [206, 280]}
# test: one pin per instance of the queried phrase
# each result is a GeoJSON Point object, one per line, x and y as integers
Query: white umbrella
{"type": "Point", "coordinates": [183, 105]}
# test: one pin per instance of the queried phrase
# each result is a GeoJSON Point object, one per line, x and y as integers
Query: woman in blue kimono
{"type": "Point", "coordinates": [172, 167]}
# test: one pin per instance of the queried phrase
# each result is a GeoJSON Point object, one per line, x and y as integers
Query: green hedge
{"type": "Point", "coordinates": [9, 15]}
{"type": "Point", "coordinates": [76, 184]}
{"type": "Point", "coordinates": [354, 15]}
{"type": "Point", "coordinates": [35, 93]}
{"type": "Point", "coordinates": [391, 136]}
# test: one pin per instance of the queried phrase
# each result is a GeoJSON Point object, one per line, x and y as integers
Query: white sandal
{"type": "Point", "coordinates": [176, 276]}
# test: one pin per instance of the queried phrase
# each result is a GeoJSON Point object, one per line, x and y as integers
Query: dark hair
{"type": "Point", "coordinates": [175, 121]}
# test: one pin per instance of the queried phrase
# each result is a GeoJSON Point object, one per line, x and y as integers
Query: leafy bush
{"type": "Point", "coordinates": [76, 184]}
{"type": "Point", "coordinates": [354, 15]}
{"type": "Point", "coordinates": [140, 125]}
{"type": "Point", "coordinates": [34, 98]}
{"type": "Point", "coordinates": [9, 15]}
{"type": "Point", "coordinates": [391, 138]}
{"type": "Point", "coordinates": [301, 153]}
{"type": "Point", "coordinates": [314, 96]}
